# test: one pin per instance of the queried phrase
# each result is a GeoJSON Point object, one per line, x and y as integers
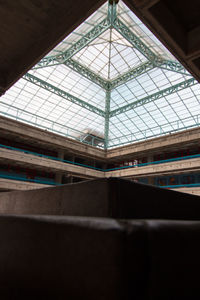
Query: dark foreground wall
{"type": "Point", "coordinates": [103, 259]}
{"type": "Point", "coordinates": [113, 197]}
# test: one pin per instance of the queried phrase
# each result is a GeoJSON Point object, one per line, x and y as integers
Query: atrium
{"type": "Point", "coordinates": [109, 83]}
{"type": "Point", "coordinates": [99, 149]}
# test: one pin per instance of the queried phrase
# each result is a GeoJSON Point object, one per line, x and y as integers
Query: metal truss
{"type": "Point", "coordinates": [141, 69]}
{"type": "Point", "coordinates": [76, 47]}
{"type": "Point", "coordinates": [87, 73]}
{"type": "Point", "coordinates": [109, 22]}
{"type": "Point", "coordinates": [153, 61]}
{"type": "Point", "coordinates": [133, 39]}
{"type": "Point", "coordinates": [107, 119]}
{"type": "Point", "coordinates": [112, 12]}
{"type": "Point", "coordinates": [171, 65]}
{"type": "Point", "coordinates": [168, 91]}
{"type": "Point", "coordinates": [49, 87]}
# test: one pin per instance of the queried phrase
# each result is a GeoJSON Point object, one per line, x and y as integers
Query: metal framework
{"type": "Point", "coordinates": [76, 47]}
{"type": "Point", "coordinates": [112, 13]}
{"type": "Point", "coordinates": [174, 66]}
{"type": "Point", "coordinates": [134, 40]}
{"type": "Point", "coordinates": [147, 66]}
{"type": "Point", "coordinates": [163, 93]}
{"type": "Point", "coordinates": [107, 119]}
{"type": "Point", "coordinates": [49, 87]}
{"type": "Point", "coordinates": [87, 73]}
{"type": "Point", "coordinates": [141, 69]}
{"type": "Point", "coordinates": [144, 60]}
{"type": "Point", "coordinates": [112, 21]}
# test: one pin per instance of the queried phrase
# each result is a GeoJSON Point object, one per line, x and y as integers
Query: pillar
{"type": "Point", "coordinates": [58, 176]}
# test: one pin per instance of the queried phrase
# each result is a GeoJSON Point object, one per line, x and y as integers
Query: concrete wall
{"type": "Point", "coordinates": [114, 197]}
{"type": "Point", "coordinates": [58, 258]}
{"type": "Point", "coordinates": [192, 190]}
{"type": "Point", "coordinates": [79, 198]}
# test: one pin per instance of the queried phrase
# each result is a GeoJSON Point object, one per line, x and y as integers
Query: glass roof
{"type": "Point", "coordinates": [110, 55]}
{"type": "Point", "coordinates": [109, 83]}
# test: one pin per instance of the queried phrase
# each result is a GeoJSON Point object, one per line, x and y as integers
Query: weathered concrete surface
{"type": "Point", "coordinates": [191, 190]}
{"type": "Point", "coordinates": [107, 198]}
{"type": "Point", "coordinates": [33, 161]}
{"type": "Point", "coordinates": [8, 184]}
{"type": "Point", "coordinates": [163, 17]}
{"type": "Point", "coordinates": [81, 199]}
{"type": "Point", "coordinates": [59, 258]}
{"type": "Point", "coordinates": [189, 165]}
{"type": "Point", "coordinates": [30, 29]}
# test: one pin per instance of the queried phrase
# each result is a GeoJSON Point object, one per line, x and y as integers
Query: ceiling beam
{"type": "Point", "coordinates": [87, 73]}
{"type": "Point", "coordinates": [169, 65]}
{"type": "Point", "coordinates": [163, 93]}
{"type": "Point", "coordinates": [49, 87]}
{"type": "Point", "coordinates": [134, 40]}
{"type": "Point", "coordinates": [112, 12]}
{"type": "Point", "coordinates": [173, 66]}
{"type": "Point", "coordinates": [107, 119]}
{"type": "Point", "coordinates": [90, 36]}
{"type": "Point", "coordinates": [133, 73]}
{"type": "Point", "coordinates": [30, 29]}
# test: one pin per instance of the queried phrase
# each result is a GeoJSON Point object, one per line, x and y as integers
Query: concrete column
{"type": "Point", "coordinates": [150, 158]}
{"type": "Point", "coordinates": [70, 179]}
{"type": "Point", "coordinates": [104, 166]}
{"type": "Point", "coordinates": [72, 158]}
{"type": "Point", "coordinates": [61, 154]}
{"type": "Point", "coordinates": [151, 180]}
{"type": "Point", "coordinates": [58, 176]}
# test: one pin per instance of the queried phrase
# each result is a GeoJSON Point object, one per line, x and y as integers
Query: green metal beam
{"type": "Point", "coordinates": [133, 73]}
{"type": "Point", "coordinates": [87, 73]}
{"type": "Point", "coordinates": [112, 15]}
{"type": "Point", "coordinates": [107, 118]}
{"type": "Point", "coordinates": [49, 87]}
{"type": "Point", "coordinates": [76, 47]}
{"type": "Point", "coordinates": [168, 91]}
{"type": "Point", "coordinates": [112, 12]}
{"type": "Point", "coordinates": [171, 65]}
{"type": "Point", "coordinates": [133, 39]}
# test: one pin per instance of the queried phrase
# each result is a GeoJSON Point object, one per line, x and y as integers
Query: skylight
{"type": "Point", "coordinates": [109, 83]}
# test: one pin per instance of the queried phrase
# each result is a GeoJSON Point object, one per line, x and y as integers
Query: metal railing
{"type": "Point", "coordinates": [14, 177]}
{"type": "Point", "coordinates": [20, 178]}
